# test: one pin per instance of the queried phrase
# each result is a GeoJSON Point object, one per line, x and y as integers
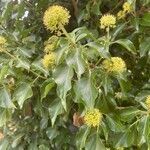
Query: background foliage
{"type": "Point", "coordinates": [38, 106]}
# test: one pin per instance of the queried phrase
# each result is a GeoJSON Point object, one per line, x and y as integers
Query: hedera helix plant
{"type": "Point", "coordinates": [82, 88]}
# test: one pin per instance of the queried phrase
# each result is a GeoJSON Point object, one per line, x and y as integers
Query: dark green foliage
{"type": "Point", "coordinates": [37, 105]}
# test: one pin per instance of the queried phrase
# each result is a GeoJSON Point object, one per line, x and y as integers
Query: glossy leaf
{"type": "Point", "coordinates": [144, 47]}
{"type": "Point", "coordinates": [86, 91]}
{"type": "Point", "coordinates": [63, 76]}
{"type": "Point", "coordinates": [127, 44]}
{"type": "Point", "coordinates": [82, 137]}
{"type": "Point", "coordinates": [94, 143]}
{"type": "Point", "coordinates": [5, 99]}
{"type": "Point", "coordinates": [55, 109]}
{"type": "Point", "coordinates": [77, 62]}
{"type": "Point", "coordinates": [22, 93]}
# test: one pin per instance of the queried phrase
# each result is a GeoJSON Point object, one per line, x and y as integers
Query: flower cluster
{"type": "Point", "coordinates": [114, 64]}
{"type": "Point", "coordinates": [55, 17]}
{"type": "Point", "coordinates": [3, 44]}
{"type": "Point", "coordinates": [127, 8]}
{"type": "Point", "coordinates": [107, 21]}
{"type": "Point", "coordinates": [51, 44]}
{"type": "Point", "coordinates": [118, 95]}
{"type": "Point", "coordinates": [121, 14]}
{"type": "Point", "coordinates": [49, 60]}
{"type": "Point", "coordinates": [50, 56]}
{"type": "Point", "coordinates": [148, 102]}
{"type": "Point", "coordinates": [93, 118]}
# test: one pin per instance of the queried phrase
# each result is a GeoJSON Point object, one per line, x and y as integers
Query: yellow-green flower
{"type": "Point", "coordinates": [107, 21]}
{"type": "Point", "coordinates": [50, 44]}
{"type": "Point", "coordinates": [93, 117]}
{"type": "Point", "coordinates": [2, 40]}
{"type": "Point", "coordinates": [52, 39]}
{"type": "Point", "coordinates": [127, 7]}
{"type": "Point", "coordinates": [3, 43]}
{"type": "Point", "coordinates": [55, 16]}
{"type": "Point", "coordinates": [114, 64]}
{"type": "Point", "coordinates": [118, 95]}
{"type": "Point", "coordinates": [49, 60]}
{"type": "Point", "coordinates": [48, 48]}
{"type": "Point", "coordinates": [148, 102]}
{"type": "Point", "coordinates": [121, 14]}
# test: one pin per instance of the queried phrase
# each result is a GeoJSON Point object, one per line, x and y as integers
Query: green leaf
{"type": "Point", "coordinates": [145, 47]}
{"type": "Point", "coordinates": [5, 99]}
{"type": "Point", "coordinates": [43, 147]}
{"type": "Point", "coordinates": [114, 124]}
{"type": "Point", "coordinates": [125, 85]}
{"type": "Point", "coordinates": [141, 96]}
{"type": "Point", "coordinates": [60, 53]}
{"type": "Point", "coordinates": [126, 139]}
{"type": "Point", "coordinates": [145, 2]}
{"type": "Point", "coordinates": [17, 140]}
{"type": "Point", "coordinates": [99, 48]}
{"type": "Point", "coordinates": [107, 84]}
{"type": "Point", "coordinates": [44, 121]}
{"type": "Point", "coordinates": [23, 63]}
{"type": "Point", "coordinates": [128, 113]}
{"type": "Point", "coordinates": [86, 91]}
{"type": "Point", "coordinates": [63, 76]}
{"type": "Point", "coordinates": [105, 130]}
{"type": "Point", "coordinates": [52, 133]}
{"type": "Point", "coordinates": [4, 145]}
{"type": "Point", "coordinates": [82, 136]}
{"type": "Point", "coordinates": [81, 33]}
{"type": "Point", "coordinates": [22, 93]}
{"type": "Point", "coordinates": [145, 21]}
{"type": "Point", "coordinates": [3, 72]}
{"type": "Point", "coordinates": [143, 130]}
{"type": "Point", "coordinates": [5, 115]}
{"type": "Point", "coordinates": [95, 9]}
{"type": "Point", "coordinates": [33, 145]}
{"type": "Point", "coordinates": [37, 64]}
{"type": "Point", "coordinates": [118, 30]}
{"type": "Point", "coordinates": [76, 60]}
{"type": "Point", "coordinates": [94, 143]}
{"type": "Point", "coordinates": [46, 87]}
{"type": "Point", "coordinates": [55, 109]}
{"type": "Point", "coordinates": [126, 44]}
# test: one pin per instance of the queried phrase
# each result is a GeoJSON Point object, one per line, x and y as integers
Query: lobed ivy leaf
{"type": "Point", "coordinates": [75, 59]}
{"type": "Point", "coordinates": [94, 143]}
{"type": "Point", "coordinates": [3, 72]}
{"type": "Point", "coordinates": [22, 93]}
{"type": "Point", "coordinates": [37, 64]}
{"type": "Point", "coordinates": [125, 140]}
{"type": "Point", "coordinates": [144, 47]}
{"type": "Point", "coordinates": [118, 30]}
{"type": "Point", "coordinates": [5, 115]}
{"type": "Point", "coordinates": [86, 91]}
{"type": "Point", "coordinates": [46, 87]}
{"type": "Point", "coordinates": [55, 109]}
{"type": "Point", "coordinates": [114, 124]}
{"type": "Point", "coordinates": [143, 129]}
{"type": "Point", "coordinates": [52, 133]}
{"type": "Point", "coordinates": [81, 137]}
{"type": "Point", "coordinates": [62, 76]}
{"type": "Point", "coordinates": [5, 99]}
{"type": "Point", "coordinates": [126, 43]}
{"type": "Point", "coordinates": [100, 49]}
